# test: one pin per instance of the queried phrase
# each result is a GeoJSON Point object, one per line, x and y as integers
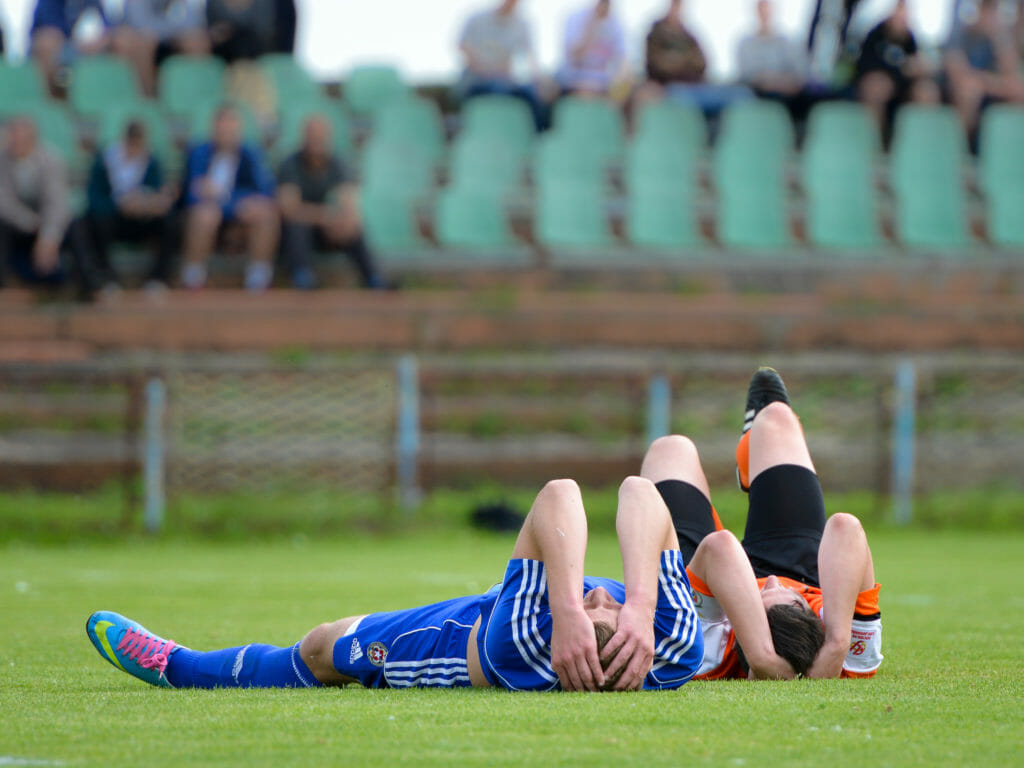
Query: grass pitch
{"type": "Point", "coordinates": [949, 693]}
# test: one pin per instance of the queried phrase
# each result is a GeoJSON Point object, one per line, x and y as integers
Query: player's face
{"type": "Point", "coordinates": [773, 593]}
{"type": "Point", "coordinates": [602, 607]}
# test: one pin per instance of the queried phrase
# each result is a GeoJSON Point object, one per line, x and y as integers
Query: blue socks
{"type": "Point", "coordinates": [249, 666]}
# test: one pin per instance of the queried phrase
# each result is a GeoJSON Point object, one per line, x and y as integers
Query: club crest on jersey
{"type": "Point", "coordinates": [376, 653]}
{"type": "Point", "coordinates": [697, 597]}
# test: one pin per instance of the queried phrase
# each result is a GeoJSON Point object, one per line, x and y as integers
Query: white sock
{"type": "Point", "coordinates": [193, 276]}
{"type": "Point", "coordinates": [258, 275]}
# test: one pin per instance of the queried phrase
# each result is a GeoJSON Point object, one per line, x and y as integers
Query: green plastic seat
{"type": "Point", "coordinates": [395, 169]}
{"type": "Point", "coordinates": [926, 164]}
{"type": "Point", "coordinates": [389, 221]}
{"type": "Point", "coordinates": [292, 83]}
{"type": "Point", "coordinates": [558, 159]}
{"type": "Point", "coordinates": [482, 164]}
{"type": "Point", "coordinates": [669, 122]}
{"type": "Point", "coordinates": [571, 215]}
{"type": "Point", "coordinates": [661, 176]}
{"type": "Point", "coordinates": [1001, 173]}
{"type": "Point", "coordinates": [293, 121]}
{"type": "Point", "coordinates": [21, 83]}
{"type": "Point", "coordinates": [838, 164]}
{"type": "Point", "coordinates": [593, 125]}
{"type": "Point", "coordinates": [466, 218]}
{"type": "Point", "coordinates": [114, 121]}
{"type": "Point", "coordinates": [413, 121]}
{"type": "Point", "coordinates": [749, 168]}
{"type": "Point", "coordinates": [187, 81]}
{"type": "Point", "coordinates": [368, 88]}
{"type": "Point", "coordinates": [97, 82]}
{"type": "Point", "coordinates": [500, 120]}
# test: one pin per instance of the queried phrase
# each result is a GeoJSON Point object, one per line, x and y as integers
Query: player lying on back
{"type": "Point", "coordinates": [544, 627]}
{"type": "Point", "coordinates": [797, 587]}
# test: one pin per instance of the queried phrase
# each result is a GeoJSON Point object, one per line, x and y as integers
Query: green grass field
{"type": "Point", "coordinates": [950, 691]}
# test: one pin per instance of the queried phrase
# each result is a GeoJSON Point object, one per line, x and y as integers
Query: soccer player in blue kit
{"type": "Point", "coordinates": [546, 626]}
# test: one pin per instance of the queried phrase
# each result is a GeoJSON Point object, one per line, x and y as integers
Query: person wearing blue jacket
{"type": "Point", "coordinates": [227, 185]}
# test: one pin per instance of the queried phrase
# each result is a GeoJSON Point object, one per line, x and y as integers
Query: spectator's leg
{"type": "Point", "coordinates": [202, 223]}
{"type": "Point", "coordinates": [296, 248]}
{"type": "Point", "coordinates": [539, 110]}
{"type": "Point", "coordinates": [83, 269]}
{"type": "Point", "coordinates": [47, 45]}
{"type": "Point", "coordinates": [168, 237]}
{"type": "Point", "coordinates": [359, 252]}
{"type": "Point", "coordinates": [875, 90]}
{"type": "Point", "coordinates": [139, 49]}
{"type": "Point", "coordinates": [263, 228]}
{"type": "Point", "coordinates": [102, 231]}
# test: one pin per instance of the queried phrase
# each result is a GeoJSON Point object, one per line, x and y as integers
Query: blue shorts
{"type": "Point", "coordinates": [420, 647]}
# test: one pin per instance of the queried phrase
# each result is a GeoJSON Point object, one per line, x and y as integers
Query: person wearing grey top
{"type": "Point", "coordinates": [150, 30]}
{"type": "Point", "coordinates": [773, 66]}
{"type": "Point", "coordinates": [35, 215]}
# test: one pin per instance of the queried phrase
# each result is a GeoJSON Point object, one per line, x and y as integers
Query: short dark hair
{"type": "Point", "coordinates": [604, 632]}
{"type": "Point", "coordinates": [797, 634]}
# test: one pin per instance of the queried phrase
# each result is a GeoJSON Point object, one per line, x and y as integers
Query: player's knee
{"type": "Point", "coordinates": [844, 522]}
{"type": "Point", "coordinates": [673, 449]}
{"type": "Point", "coordinates": [317, 650]}
{"type": "Point", "coordinates": [778, 415]}
{"type": "Point", "coordinates": [634, 486]}
{"type": "Point", "coordinates": [561, 489]}
{"type": "Point", "coordinates": [720, 541]}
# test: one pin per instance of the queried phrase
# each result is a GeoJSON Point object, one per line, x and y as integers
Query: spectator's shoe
{"type": "Point", "coordinates": [766, 387]}
{"type": "Point", "coordinates": [304, 279]}
{"type": "Point", "coordinates": [130, 647]}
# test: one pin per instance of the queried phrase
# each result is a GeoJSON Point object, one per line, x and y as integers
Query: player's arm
{"type": "Point", "coordinates": [721, 563]}
{"type": "Point", "coordinates": [845, 569]}
{"type": "Point", "coordinates": [555, 532]}
{"type": "Point", "coordinates": [644, 528]}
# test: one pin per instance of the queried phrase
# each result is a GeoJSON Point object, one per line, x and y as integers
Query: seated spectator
{"type": "Point", "coordinates": [982, 65]}
{"type": "Point", "coordinates": [63, 29]}
{"type": "Point", "coordinates": [676, 66]}
{"type": "Point", "coordinates": [242, 29]}
{"type": "Point", "coordinates": [128, 200]}
{"type": "Point", "coordinates": [151, 30]}
{"type": "Point", "coordinates": [320, 207]}
{"type": "Point", "coordinates": [773, 66]}
{"type": "Point", "coordinates": [491, 42]}
{"type": "Point", "coordinates": [595, 52]}
{"type": "Point", "coordinates": [889, 70]}
{"type": "Point", "coordinates": [37, 241]}
{"type": "Point", "coordinates": [227, 184]}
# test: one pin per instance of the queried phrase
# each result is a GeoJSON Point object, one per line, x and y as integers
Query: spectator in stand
{"type": "Point", "coordinates": [286, 23]}
{"type": "Point", "coordinates": [676, 67]}
{"type": "Point", "coordinates": [491, 43]}
{"type": "Point", "coordinates": [773, 66]}
{"type": "Point", "coordinates": [227, 184]}
{"type": "Point", "coordinates": [983, 66]}
{"type": "Point", "coordinates": [889, 70]}
{"type": "Point", "coordinates": [319, 205]}
{"type": "Point", "coordinates": [151, 30]}
{"type": "Point", "coordinates": [37, 239]}
{"type": "Point", "coordinates": [242, 29]}
{"type": "Point", "coordinates": [64, 29]}
{"type": "Point", "coordinates": [595, 52]}
{"type": "Point", "coordinates": [129, 200]}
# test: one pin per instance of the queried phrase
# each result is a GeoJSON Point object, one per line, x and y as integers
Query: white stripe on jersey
{"type": "Point", "coordinates": [525, 633]}
{"type": "Point", "coordinates": [677, 643]}
{"type": "Point", "coordinates": [426, 672]}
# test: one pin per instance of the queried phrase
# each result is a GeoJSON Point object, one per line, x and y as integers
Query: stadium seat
{"type": "Point", "coordinates": [292, 83]}
{"type": "Point", "coordinates": [468, 218]}
{"type": "Point", "coordinates": [293, 120]}
{"type": "Point", "coordinates": [21, 83]}
{"type": "Point", "coordinates": [660, 176]}
{"type": "Point", "coordinates": [97, 82]}
{"type": "Point", "coordinates": [592, 125]}
{"type": "Point", "coordinates": [368, 88]}
{"type": "Point", "coordinates": [187, 81]}
{"type": "Point", "coordinates": [753, 149]}
{"type": "Point", "coordinates": [839, 157]}
{"type": "Point", "coordinates": [501, 120]}
{"type": "Point", "coordinates": [571, 216]}
{"type": "Point", "coordinates": [401, 170]}
{"type": "Point", "coordinates": [114, 121]}
{"type": "Point", "coordinates": [1001, 173]}
{"type": "Point", "coordinates": [558, 159]}
{"type": "Point", "coordinates": [413, 121]}
{"type": "Point", "coordinates": [669, 122]}
{"type": "Point", "coordinates": [926, 164]}
{"type": "Point", "coordinates": [480, 163]}
{"type": "Point", "coordinates": [389, 220]}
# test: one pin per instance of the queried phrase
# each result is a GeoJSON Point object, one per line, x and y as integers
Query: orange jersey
{"type": "Point", "coordinates": [721, 661]}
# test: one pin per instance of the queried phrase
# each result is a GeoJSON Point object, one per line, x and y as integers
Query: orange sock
{"type": "Point", "coordinates": [743, 460]}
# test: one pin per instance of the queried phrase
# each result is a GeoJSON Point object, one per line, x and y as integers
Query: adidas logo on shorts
{"type": "Point", "coordinates": [355, 652]}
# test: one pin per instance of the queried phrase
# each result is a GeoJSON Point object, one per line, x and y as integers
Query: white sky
{"type": "Point", "coordinates": [419, 36]}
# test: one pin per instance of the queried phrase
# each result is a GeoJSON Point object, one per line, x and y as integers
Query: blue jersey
{"type": "Point", "coordinates": [426, 646]}
{"type": "Point", "coordinates": [515, 637]}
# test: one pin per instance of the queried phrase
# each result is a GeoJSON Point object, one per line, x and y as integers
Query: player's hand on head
{"type": "Point", "coordinates": [629, 654]}
{"type": "Point", "coordinates": [829, 661]}
{"type": "Point", "coordinates": [574, 652]}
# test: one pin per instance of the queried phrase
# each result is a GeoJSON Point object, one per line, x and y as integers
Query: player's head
{"type": "Point", "coordinates": [603, 610]}
{"type": "Point", "coordinates": [797, 632]}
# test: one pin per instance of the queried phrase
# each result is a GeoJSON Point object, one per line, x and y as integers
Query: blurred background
{"type": "Point", "coordinates": [297, 267]}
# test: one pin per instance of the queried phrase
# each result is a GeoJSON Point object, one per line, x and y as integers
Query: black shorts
{"type": "Point", "coordinates": [785, 520]}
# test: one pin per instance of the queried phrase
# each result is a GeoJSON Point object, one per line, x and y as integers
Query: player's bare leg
{"type": "Point", "coordinates": [317, 650]}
